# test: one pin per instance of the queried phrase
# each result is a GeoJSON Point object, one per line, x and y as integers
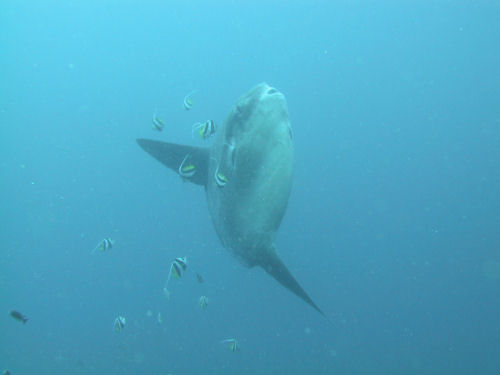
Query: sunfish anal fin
{"type": "Point", "coordinates": [274, 266]}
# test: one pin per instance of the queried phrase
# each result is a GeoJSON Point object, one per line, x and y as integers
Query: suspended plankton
{"type": "Point", "coordinates": [177, 268]}
{"type": "Point", "coordinates": [205, 129]}
{"type": "Point", "coordinates": [104, 245]}
{"type": "Point", "coordinates": [233, 344]}
{"type": "Point", "coordinates": [158, 123]}
{"type": "Point", "coordinates": [188, 101]}
{"type": "Point", "coordinates": [203, 302]}
{"type": "Point", "coordinates": [119, 323]}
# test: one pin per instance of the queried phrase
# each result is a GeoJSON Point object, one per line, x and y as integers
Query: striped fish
{"type": "Point", "coordinates": [204, 129]}
{"type": "Point", "coordinates": [187, 169]}
{"type": "Point", "coordinates": [158, 123]}
{"type": "Point", "coordinates": [233, 344]}
{"type": "Point", "coordinates": [188, 101]}
{"type": "Point", "coordinates": [119, 323]}
{"type": "Point", "coordinates": [203, 302]}
{"type": "Point", "coordinates": [220, 179]}
{"type": "Point", "coordinates": [104, 245]}
{"type": "Point", "coordinates": [178, 267]}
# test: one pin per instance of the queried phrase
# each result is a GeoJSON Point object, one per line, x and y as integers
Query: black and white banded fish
{"type": "Point", "coordinates": [233, 344]}
{"type": "Point", "coordinates": [158, 123]}
{"type": "Point", "coordinates": [104, 245]}
{"type": "Point", "coordinates": [187, 169]}
{"type": "Point", "coordinates": [204, 129]}
{"type": "Point", "coordinates": [220, 178]}
{"type": "Point", "coordinates": [177, 268]}
{"type": "Point", "coordinates": [119, 323]}
{"type": "Point", "coordinates": [188, 101]}
{"type": "Point", "coordinates": [203, 302]}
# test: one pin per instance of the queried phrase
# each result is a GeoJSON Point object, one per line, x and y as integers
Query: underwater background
{"type": "Point", "coordinates": [393, 224]}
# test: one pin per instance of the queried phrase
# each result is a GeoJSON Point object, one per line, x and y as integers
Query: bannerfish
{"type": "Point", "coordinates": [177, 268]}
{"type": "Point", "coordinates": [188, 101]}
{"type": "Point", "coordinates": [203, 302]}
{"type": "Point", "coordinates": [104, 245]}
{"type": "Point", "coordinates": [205, 129]}
{"type": "Point", "coordinates": [119, 323]}
{"type": "Point", "coordinates": [233, 344]}
{"type": "Point", "coordinates": [158, 123]}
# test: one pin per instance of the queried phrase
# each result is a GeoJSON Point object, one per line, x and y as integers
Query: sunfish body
{"type": "Point", "coordinates": [247, 174]}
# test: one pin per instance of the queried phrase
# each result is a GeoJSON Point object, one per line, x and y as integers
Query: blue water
{"type": "Point", "coordinates": [392, 225]}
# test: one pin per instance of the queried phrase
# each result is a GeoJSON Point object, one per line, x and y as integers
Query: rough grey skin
{"type": "Point", "coordinates": [254, 151]}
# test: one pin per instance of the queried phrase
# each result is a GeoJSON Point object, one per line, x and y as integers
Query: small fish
{"type": "Point", "coordinates": [158, 123]}
{"type": "Point", "coordinates": [234, 347]}
{"type": "Point", "coordinates": [187, 169]}
{"type": "Point", "coordinates": [188, 101]}
{"type": "Point", "coordinates": [199, 278]}
{"type": "Point", "coordinates": [220, 179]}
{"type": "Point", "coordinates": [18, 316]}
{"type": "Point", "coordinates": [178, 266]}
{"type": "Point", "coordinates": [203, 302]}
{"type": "Point", "coordinates": [159, 318]}
{"type": "Point", "coordinates": [204, 129]}
{"type": "Point", "coordinates": [5, 372]}
{"type": "Point", "coordinates": [119, 323]}
{"type": "Point", "coordinates": [233, 344]}
{"type": "Point", "coordinates": [104, 245]}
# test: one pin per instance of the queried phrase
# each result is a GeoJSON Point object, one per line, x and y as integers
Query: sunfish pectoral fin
{"type": "Point", "coordinates": [189, 162]}
{"type": "Point", "coordinates": [274, 266]}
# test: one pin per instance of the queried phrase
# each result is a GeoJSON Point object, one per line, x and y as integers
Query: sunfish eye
{"type": "Point", "coordinates": [272, 91]}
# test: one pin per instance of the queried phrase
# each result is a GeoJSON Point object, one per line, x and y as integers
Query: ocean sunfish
{"type": "Point", "coordinates": [247, 174]}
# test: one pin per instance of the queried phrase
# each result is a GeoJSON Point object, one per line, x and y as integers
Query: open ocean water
{"type": "Point", "coordinates": [393, 224]}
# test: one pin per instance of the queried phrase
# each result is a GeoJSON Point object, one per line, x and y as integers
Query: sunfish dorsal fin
{"type": "Point", "coordinates": [174, 156]}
